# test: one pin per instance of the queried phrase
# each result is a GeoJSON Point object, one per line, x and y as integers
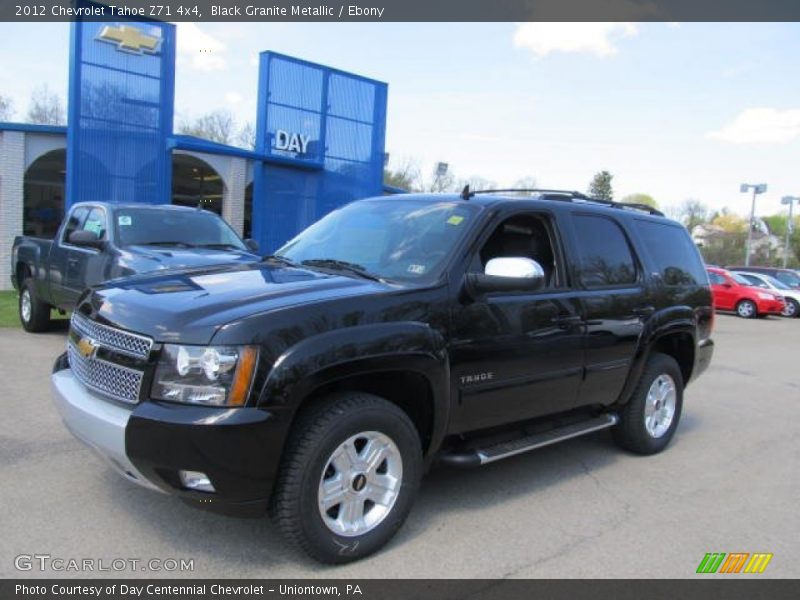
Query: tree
{"type": "Point", "coordinates": [246, 137]}
{"type": "Point", "coordinates": [692, 213]}
{"type": "Point", "coordinates": [46, 107]}
{"type": "Point", "coordinates": [645, 199]}
{"type": "Point", "coordinates": [525, 183]}
{"type": "Point", "coordinates": [217, 126]}
{"type": "Point", "coordinates": [405, 176]}
{"type": "Point", "coordinates": [475, 183]}
{"type": "Point", "coordinates": [730, 222]}
{"type": "Point", "coordinates": [600, 186]}
{"type": "Point", "coordinates": [6, 108]}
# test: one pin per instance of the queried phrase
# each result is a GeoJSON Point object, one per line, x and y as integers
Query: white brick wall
{"type": "Point", "coordinates": [233, 197]}
{"type": "Point", "coordinates": [12, 174]}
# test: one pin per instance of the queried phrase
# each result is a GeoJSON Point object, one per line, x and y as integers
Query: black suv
{"type": "Point", "coordinates": [395, 332]}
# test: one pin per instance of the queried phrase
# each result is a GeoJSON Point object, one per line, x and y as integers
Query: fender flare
{"type": "Point", "coordinates": [671, 321]}
{"type": "Point", "coordinates": [360, 350]}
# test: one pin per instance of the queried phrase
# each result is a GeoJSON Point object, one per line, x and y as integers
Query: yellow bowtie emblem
{"type": "Point", "coordinates": [130, 39]}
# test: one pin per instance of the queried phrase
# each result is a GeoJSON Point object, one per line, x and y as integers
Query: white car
{"type": "Point", "coordinates": [768, 282]}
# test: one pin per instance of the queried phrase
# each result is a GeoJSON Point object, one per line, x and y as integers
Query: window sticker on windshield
{"type": "Point", "coordinates": [416, 269]}
{"type": "Point", "coordinates": [455, 220]}
{"type": "Point", "coordinates": [124, 220]}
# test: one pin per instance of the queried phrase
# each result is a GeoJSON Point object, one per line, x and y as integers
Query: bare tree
{"type": "Point", "coordinates": [692, 213]}
{"type": "Point", "coordinates": [46, 107]}
{"type": "Point", "coordinates": [476, 183]}
{"type": "Point", "coordinates": [246, 137]}
{"type": "Point", "coordinates": [406, 175]}
{"type": "Point", "coordinates": [6, 108]}
{"type": "Point", "coordinates": [217, 126]}
{"type": "Point", "coordinates": [441, 181]}
{"type": "Point", "coordinates": [525, 183]}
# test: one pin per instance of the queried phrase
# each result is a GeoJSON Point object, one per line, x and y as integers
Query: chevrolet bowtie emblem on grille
{"type": "Point", "coordinates": [87, 347]}
{"type": "Point", "coordinates": [130, 39]}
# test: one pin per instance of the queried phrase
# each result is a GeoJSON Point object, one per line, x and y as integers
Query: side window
{"type": "Point", "coordinates": [527, 236]}
{"type": "Point", "coordinates": [96, 222]}
{"type": "Point", "coordinates": [716, 278]}
{"type": "Point", "coordinates": [75, 221]}
{"type": "Point", "coordinates": [673, 251]}
{"type": "Point", "coordinates": [605, 256]}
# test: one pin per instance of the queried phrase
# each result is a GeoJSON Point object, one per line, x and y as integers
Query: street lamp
{"type": "Point", "coordinates": [758, 188]}
{"type": "Point", "coordinates": [790, 200]}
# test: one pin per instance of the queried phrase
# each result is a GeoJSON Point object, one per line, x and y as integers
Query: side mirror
{"type": "Point", "coordinates": [507, 274]}
{"type": "Point", "coordinates": [85, 238]}
{"type": "Point", "coordinates": [251, 244]}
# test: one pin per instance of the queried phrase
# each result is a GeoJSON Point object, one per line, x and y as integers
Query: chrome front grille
{"type": "Point", "coordinates": [88, 339]}
{"type": "Point", "coordinates": [137, 346]}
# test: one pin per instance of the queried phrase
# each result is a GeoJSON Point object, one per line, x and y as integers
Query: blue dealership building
{"type": "Point", "coordinates": [320, 138]}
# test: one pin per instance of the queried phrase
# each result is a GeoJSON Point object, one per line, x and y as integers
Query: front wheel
{"type": "Point", "coordinates": [349, 477]}
{"type": "Point", "coordinates": [33, 313]}
{"type": "Point", "coordinates": [747, 309]}
{"type": "Point", "coordinates": [649, 419]}
{"type": "Point", "coordinates": [792, 308]}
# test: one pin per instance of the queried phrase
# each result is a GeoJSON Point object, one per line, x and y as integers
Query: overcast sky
{"type": "Point", "coordinates": [672, 110]}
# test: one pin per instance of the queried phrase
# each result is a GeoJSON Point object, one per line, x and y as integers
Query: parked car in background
{"type": "Point", "coordinates": [789, 277]}
{"type": "Point", "coordinates": [99, 241]}
{"type": "Point", "coordinates": [790, 296]}
{"type": "Point", "coordinates": [735, 293]}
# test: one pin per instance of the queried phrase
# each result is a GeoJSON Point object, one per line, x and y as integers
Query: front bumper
{"type": "Point", "coordinates": [96, 422]}
{"type": "Point", "coordinates": [770, 307]}
{"type": "Point", "coordinates": [238, 448]}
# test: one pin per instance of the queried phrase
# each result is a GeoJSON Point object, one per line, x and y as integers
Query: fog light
{"type": "Point", "coordinates": [195, 480]}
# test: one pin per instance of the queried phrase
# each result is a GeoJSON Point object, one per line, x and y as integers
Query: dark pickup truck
{"type": "Point", "coordinates": [394, 333]}
{"type": "Point", "coordinates": [99, 241]}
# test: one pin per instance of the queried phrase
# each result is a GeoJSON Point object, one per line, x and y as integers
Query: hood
{"type": "Point", "coordinates": [191, 305]}
{"type": "Point", "coordinates": [143, 259]}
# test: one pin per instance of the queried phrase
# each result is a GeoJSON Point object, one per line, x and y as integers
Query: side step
{"type": "Point", "coordinates": [481, 456]}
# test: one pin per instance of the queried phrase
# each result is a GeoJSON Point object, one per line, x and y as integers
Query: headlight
{"type": "Point", "coordinates": [764, 296]}
{"type": "Point", "coordinates": [209, 375]}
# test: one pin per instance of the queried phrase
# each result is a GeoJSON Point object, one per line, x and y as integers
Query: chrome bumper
{"type": "Point", "coordinates": [96, 422]}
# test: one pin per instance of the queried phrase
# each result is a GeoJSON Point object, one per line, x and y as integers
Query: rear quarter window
{"type": "Point", "coordinates": [673, 252]}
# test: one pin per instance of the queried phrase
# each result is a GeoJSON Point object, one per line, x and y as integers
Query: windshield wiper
{"type": "Point", "coordinates": [221, 246]}
{"type": "Point", "coordinates": [277, 258]}
{"type": "Point", "coordinates": [341, 265]}
{"type": "Point", "coordinates": [168, 243]}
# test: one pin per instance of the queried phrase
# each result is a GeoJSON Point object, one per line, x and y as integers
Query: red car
{"type": "Point", "coordinates": [732, 292]}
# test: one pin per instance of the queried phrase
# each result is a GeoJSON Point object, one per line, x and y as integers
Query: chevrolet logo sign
{"type": "Point", "coordinates": [130, 39]}
{"type": "Point", "coordinates": [87, 347]}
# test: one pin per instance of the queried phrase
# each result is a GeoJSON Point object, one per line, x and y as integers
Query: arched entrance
{"type": "Point", "coordinates": [195, 183]}
{"type": "Point", "coordinates": [43, 194]}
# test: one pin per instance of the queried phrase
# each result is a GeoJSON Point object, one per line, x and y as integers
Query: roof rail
{"type": "Point", "coordinates": [564, 196]}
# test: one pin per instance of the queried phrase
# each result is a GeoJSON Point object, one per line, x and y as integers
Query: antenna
{"type": "Point", "coordinates": [465, 193]}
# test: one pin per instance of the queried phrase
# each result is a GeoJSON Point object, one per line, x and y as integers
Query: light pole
{"type": "Point", "coordinates": [790, 200]}
{"type": "Point", "coordinates": [758, 188]}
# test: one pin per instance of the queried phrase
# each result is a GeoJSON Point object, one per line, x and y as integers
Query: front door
{"type": "Point", "coordinates": [516, 356]}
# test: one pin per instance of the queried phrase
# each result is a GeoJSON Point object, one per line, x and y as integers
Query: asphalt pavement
{"type": "Point", "coordinates": [729, 482]}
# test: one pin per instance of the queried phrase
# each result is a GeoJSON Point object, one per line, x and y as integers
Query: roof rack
{"type": "Point", "coordinates": [564, 196]}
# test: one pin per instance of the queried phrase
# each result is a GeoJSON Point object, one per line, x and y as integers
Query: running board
{"type": "Point", "coordinates": [481, 456]}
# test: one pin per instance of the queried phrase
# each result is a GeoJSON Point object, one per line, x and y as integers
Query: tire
{"type": "Point", "coordinates": [636, 432]}
{"type": "Point", "coordinates": [33, 313]}
{"type": "Point", "coordinates": [746, 309]}
{"type": "Point", "coordinates": [316, 453]}
{"type": "Point", "coordinates": [792, 309]}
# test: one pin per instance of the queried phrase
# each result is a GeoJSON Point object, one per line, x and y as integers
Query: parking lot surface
{"type": "Point", "coordinates": [729, 482]}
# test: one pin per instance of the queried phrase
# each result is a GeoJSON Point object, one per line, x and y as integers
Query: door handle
{"type": "Point", "coordinates": [644, 311]}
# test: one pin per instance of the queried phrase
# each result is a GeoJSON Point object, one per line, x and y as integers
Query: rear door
{"type": "Point", "coordinates": [723, 289]}
{"type": "Point", "coordinates": [614, 302]}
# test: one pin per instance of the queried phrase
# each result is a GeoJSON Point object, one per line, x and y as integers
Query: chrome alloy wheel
{"type": "Point", "coordinates": [746, 309]}
{"type": "Point", "coordinates": [659, 409]}
{"type": "Point", "coordinates": [25, 306]}
{"type": "Point", "coordinates": [790, 309]}
{"type": "Point", "coordinates": [360, 483]}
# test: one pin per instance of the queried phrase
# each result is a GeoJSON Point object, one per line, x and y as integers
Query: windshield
{"type": "Point", "coordinates": [396, 238]}
{"type": "Point", "coordinates": [741, 279]}
{"type": "Point", "coordinates": [181, 228]}
{"type": "Point", "coordinates": [789, 278]}
{"type": "Point", "coordinates": [776, 283]}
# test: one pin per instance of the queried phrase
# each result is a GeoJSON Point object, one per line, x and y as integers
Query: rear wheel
{"type": "Point", "coordinates": [349, 477]}
{"type": "Point", "coordinates": [649, 419]}
{"type": "Point", "coordinates": [746, 309]}
{"type": "Point", "coordinates": [33, 313]}
{"type": "Point", "coordinates": [792, 308]}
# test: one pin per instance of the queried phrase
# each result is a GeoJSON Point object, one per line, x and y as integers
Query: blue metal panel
{"type": "Point", "coordinates": [121, 101]}
{"type": "Point", "coordinates": [334, 124]}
